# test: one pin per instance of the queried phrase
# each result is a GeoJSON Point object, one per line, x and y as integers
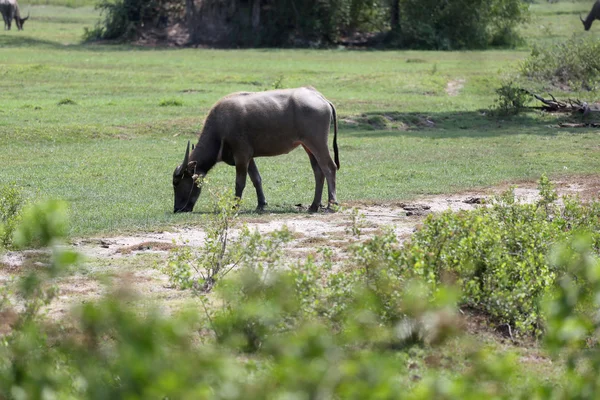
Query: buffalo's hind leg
{"type": "Point", "coordinates": [328, 168]}
{"type": "Point", "coordinates": [319, 181]}
{"type": "Point", "coordinates": [257, 182]}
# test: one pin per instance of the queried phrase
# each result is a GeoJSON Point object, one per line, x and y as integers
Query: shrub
{"type": "Point", "coordinates": [572, 63]}
{"type": "Point", "coordinates": [222, 252]}
{"type": "Point", "coordinates": [121, 19]}
{"type": "Point", "coordinates": [462, 24]}
{"type": "Point", "coordinates": [112, 349]}
{"type": "Point", "coordinates": [495, 254]}
{"type": "Point", "coordinates": [11, 205]}
{"type": "Point", "coordinates": [510, 100]}
{"type": "Point", "coordinates": [572, 315]}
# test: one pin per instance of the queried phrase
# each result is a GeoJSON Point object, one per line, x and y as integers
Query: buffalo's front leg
{"type": "Point", "coordinates": [241, 170]}
{"type": "Point", "coordinates": [257, 182]}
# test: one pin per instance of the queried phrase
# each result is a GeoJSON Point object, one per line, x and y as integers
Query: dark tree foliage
{"type": "Point", "coordinates": [123, 19]}
{"type": "Point", "coordinates": [459, 24]}
{"type": "Point", "coordinates": [284, 22]}
{"type": "Point", "coordinates": [425, 24]}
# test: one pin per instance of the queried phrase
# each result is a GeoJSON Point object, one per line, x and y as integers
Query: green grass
{"type": "Point", "coordinates": [103, 126]}
{"type": "Point", "coordinates": [553, 22]}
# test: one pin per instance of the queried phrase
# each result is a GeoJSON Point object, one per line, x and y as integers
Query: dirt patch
{"type": "Point", "coordinates": [20, 260]}
{"type": "Point", "coordinates": [321, 228]}
{"type": "Point", "coordinates": [454, 87]}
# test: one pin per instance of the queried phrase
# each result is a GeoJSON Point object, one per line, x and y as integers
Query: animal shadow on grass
{"type": "Point", "coordinates": [22, 41]}
{"type": "Point", "coordinates": [448, 124]}
{"type": "Point", "coordinates": [284, 209]}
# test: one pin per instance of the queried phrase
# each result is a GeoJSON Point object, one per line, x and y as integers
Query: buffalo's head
{"type": "Point", "coordinates": [185, 186]}
{"type": "Point", "coordinates": [586, 25]}
{"type": "Point", "coordinates": [21, 21]}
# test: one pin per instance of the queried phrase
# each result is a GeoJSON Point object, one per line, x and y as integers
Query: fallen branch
{"type": "Point", "coordinates": [553, 105]}
{"type": "Point", "coordinates": [579, 125]}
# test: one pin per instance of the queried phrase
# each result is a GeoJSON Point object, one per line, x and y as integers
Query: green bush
{"type": "Point", "coordinates": [460, 24]}
{"type": "Point", "coordinates": [572, 63]}
{"type": "Point", "coordinates": [121, 19]}
{"type": "Point", "coordinates": [11, 205]}
{"type": "Point", "coordinates": [222, 252]}
{"type": "Point", "coordinates": [495, 254]}
{"type": "Point", "coordinates": [110, 349]}
{"type": "Point", "coordinates": [511, 100]}
{"type": "Point", "coordinates": [572, 317]}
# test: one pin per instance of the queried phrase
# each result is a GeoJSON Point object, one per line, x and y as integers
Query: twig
{"type": "Point", "coordinates": [210, 321]}
{"type": "Point", "coordinates": [510, 332]}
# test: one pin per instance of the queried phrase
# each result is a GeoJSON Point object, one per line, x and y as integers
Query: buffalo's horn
{"type": "Point", "coordinates": [192, 146]}
{"type": "Point", "coordinates": [187, 155]}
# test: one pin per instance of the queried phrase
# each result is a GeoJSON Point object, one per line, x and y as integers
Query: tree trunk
{"type": "Point", "coordinates": [395, 16]}
{"type": "Point", "coordinates": [190, 13]}
{"type": "Point", "coordinates": [255, 15]}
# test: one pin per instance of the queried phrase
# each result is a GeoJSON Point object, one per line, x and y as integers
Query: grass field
{"type": "Point", "coordinates": [84, 122]}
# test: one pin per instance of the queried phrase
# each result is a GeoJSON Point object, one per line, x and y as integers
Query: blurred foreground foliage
{"type": "Point", "coordinates": [316, 330]}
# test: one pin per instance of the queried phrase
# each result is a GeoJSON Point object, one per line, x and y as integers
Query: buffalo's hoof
{"type": "Point", "coordinates": [260, 208]}
{"type": "Point", "coordinates": [332, 207]}
{"type": "Point", "coordinates": [314, 208]}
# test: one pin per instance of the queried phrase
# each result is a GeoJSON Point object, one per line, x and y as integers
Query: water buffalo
{"type": "Point", "coordinates": [594, 14]}
{"type": "Point", "coordinates": [10, 10]}
{"type": "Point", "coordinates": [243, 126]}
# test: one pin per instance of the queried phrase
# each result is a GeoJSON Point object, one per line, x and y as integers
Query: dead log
{"type": "Point", "coordinates": [579, 125]}
{"type": "Point", "coordinates": [572, 106]}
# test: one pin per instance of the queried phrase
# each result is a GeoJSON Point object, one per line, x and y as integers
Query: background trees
{"type": "Point", "coordinates": [424, 24]}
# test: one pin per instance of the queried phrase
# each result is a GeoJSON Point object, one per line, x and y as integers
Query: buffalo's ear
{"type": "Point", "coordinates": [191, 167]}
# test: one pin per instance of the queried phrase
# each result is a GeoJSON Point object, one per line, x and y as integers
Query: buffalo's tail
{"type": "Point", "coordinates": [336, 155]}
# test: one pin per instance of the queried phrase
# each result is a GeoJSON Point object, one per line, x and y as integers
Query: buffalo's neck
{"type": "Point", "coordinates": [206, 153]}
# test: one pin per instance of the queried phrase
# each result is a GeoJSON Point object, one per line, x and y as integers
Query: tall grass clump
{"type": "Point", "coordinates": [572, 64]}
{"type": "Point", "coordinates": [12, 201]}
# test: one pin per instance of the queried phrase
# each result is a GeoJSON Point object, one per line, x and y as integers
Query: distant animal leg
{"type": "Point", "coordinates": [319, 181]}
{"type": "Point", "coordinates": [257, 182]}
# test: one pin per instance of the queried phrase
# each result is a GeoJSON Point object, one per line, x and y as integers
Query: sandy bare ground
{"type": "Point", "coordinates": [132, 260]}
{"type": "Point", "coordinates": [454, 87]}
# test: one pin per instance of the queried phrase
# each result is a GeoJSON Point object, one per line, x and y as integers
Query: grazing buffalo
{"type": "Point", "coordinates": [243, 126]}
{"type": "Point", "coordinates": [594, 14]}
{"type": "Point", "coordinates": [10, 10]}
